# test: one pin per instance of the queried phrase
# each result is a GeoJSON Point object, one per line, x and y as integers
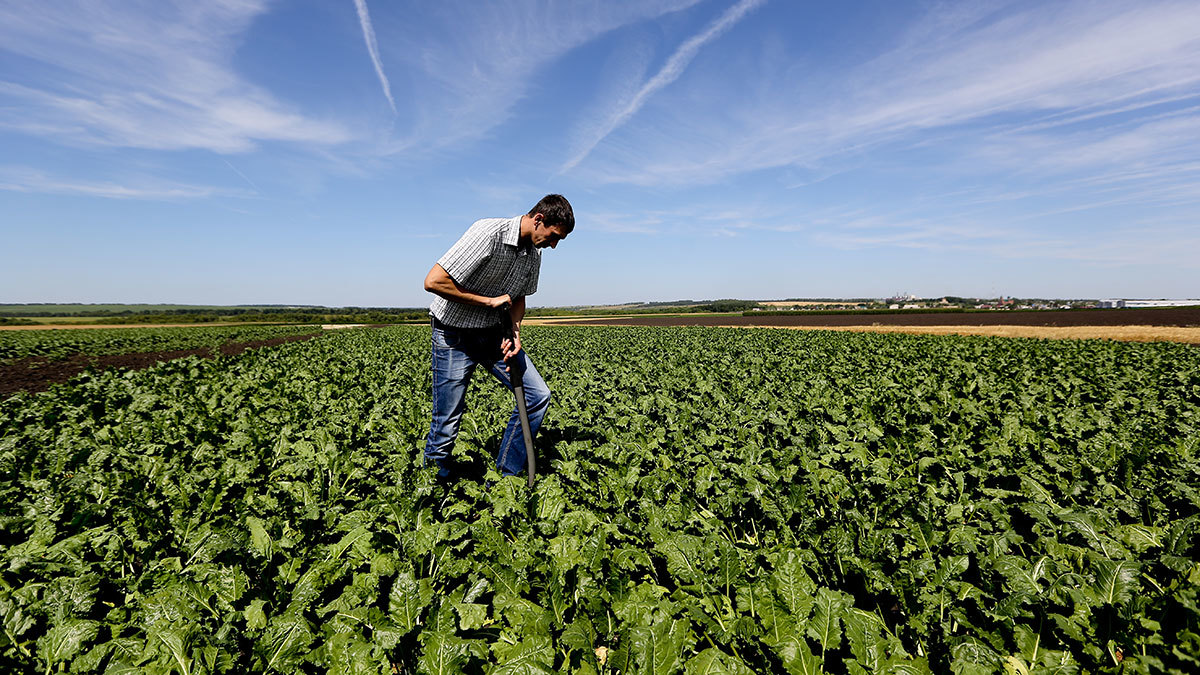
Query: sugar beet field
{"type": "Point", "coordinates": [713, 501]}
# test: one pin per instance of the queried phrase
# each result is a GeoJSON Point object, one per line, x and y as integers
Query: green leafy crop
{"type": "Point", "coordinates": [714, 501]}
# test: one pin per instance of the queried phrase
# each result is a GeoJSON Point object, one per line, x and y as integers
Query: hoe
{"type": "Point", "coordinates": [519, 392]}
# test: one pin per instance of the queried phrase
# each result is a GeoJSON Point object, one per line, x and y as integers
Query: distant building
{"type": "Point", "coordinates": [1119, 303]}
{"type": "Point", "coordinates": [1161, 303]}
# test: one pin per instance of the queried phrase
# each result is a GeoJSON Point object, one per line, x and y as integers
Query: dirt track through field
{"type": "Point", "coordinates": [1176, 324]}
{"type": "Point", "coordinates": [87, 326]}
{"type": "Point", "coordinates": [38, 373]}
{"type": "Point", "coordinates": [1174, 316]}
{"type": "Point", "coordinates": [1190, 335]}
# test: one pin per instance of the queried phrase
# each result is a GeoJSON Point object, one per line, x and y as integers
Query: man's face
{"type": "Point", "coordinates": [545, 235]}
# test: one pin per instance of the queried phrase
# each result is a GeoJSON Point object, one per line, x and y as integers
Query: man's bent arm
{"type": "Point", "coordinates": [517, 312]}
{"type": "Point", "coordinates": [439, 282]}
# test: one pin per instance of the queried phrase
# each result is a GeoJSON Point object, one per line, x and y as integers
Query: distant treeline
{"type": "Point", "coordinates": [725, 306]}
{"type": "Point", "coordinates": [44, 309]}
{"type": "Point", "coordinates": [316, 315]}
{"type": "Point", "coordinates": [808, 312]}
{"type": "Point", "coordinates": [280, 314]}
{"type": "Point", "coordinates": [380, 314]}
{"type": "Point", "coordinates": [923, 310]}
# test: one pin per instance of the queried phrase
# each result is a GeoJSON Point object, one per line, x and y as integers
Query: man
{"type": "Point", "coordinates": [490, 270]}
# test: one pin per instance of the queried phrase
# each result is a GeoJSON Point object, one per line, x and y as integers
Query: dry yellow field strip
{"type": "Point", "coordinates": [1190, 334]}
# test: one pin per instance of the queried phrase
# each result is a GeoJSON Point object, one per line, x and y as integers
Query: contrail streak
{"type": "Point", "coordinates": [364, 18]}
{"type": "Point", "coordinates": [248, 181]}
{"type": "Point", "coordinates": [675, 66]}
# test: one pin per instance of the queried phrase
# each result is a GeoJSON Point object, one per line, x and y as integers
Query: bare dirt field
{"type": "Point", "coordinates": [37, 373]}
{"type": "Point", "coordinates": [84, 326]}
{"type": "Point", "coordinates": [1178, 324]}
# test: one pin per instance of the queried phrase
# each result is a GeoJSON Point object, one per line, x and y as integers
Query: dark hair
{"type": "Point", "coordinates": [556, 211]}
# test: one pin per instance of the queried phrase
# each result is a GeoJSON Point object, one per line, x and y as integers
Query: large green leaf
{"type": "Point", "coordinates": [358, 539]}
{"type": "Point", "coordinates": [408, 598]}
{"type": "Point", "coordinates": [713, 661]}
{"type": "Point", "coordinates": [1116, 580]}
{"type": "Point", "coordinates": [971, 656]}
{"type": "Point", "coordinates": [260, 540]}
{"type": "Point", "coordinates": [657, 649]}
{"type": "Point", "coordinates": [286, 642]}
{"type": "Point", "coordinates": [254, 614]}
{"type": "Point", "coordinates": [443, 654]}
{"type": "Point", "coordinates": [797, 657]}
{"type": "Point", "coordinates": [350, 655]}
{"type": "Point", "coordinates": [176, 642]}
{"type": "Point", "coordinates": [531, 656]}
{"type": "Point", "coordinates": [793, 586]}
{"type": "Point", "coordinates": [865, 633]}
{"type": "Point", "coordinates": [67, 639]}
{"type": "Point", "coordinates": [826, 624]}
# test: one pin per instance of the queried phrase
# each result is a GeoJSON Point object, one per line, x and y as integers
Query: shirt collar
{"type": "Point", "coordinates": [512, 232]}
{"type": "Point", "coordinates": [512, 236]}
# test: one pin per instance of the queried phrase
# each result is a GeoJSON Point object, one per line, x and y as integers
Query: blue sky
{"type": "Point", "coordinates": [319, 152]}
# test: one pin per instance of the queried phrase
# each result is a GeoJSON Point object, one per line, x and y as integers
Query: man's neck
{"type": "Point", "coordinates": [525, 238]}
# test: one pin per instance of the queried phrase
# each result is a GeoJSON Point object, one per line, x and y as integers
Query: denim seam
{"type": "Point", "coordinates": [434, 383]}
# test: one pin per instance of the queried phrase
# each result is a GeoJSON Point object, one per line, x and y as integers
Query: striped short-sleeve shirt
{"type": "Point", "coordinates": [487, 260]}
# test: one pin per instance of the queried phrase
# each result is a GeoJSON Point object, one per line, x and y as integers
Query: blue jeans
{"type": "Point", "coordinates": [456, 352]}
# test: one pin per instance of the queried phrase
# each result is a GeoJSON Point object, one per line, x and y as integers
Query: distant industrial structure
{"type": "Point", "coordinates": [1121, 303]}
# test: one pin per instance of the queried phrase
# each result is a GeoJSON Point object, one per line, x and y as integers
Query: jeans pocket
{"type": "Point", "coordinates": [446, 338]}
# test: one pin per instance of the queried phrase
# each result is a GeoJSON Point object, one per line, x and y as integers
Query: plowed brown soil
{"type": "Point", "coordinates": [1173, 316]}
{"type": "Point", "coordinates": [89, 326]}
{"type": "Point", "coordinates": [37, 373]}
{"type": "Point", "coordinates": [1177, 324]}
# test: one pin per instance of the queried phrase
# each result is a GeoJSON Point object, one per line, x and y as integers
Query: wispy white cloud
{"type": "Point", "coordinates": [1155, 142]}
{"type": "Point", "coordinates": [703, 219]}
{"type": "Point", "coordinates": [364, 18]}
{"type": "Point", "coordinates": [618, 223]}
{"type": "Point", "coordinates": [473, 64]}
{"type": "Point", "coordinates": [1147, 241]}
{"type": "Point", "coordinates": [670, 72]}
{"type": "Point", "coordinates": [1076, 57]}
{"type": "Point", "coordinates": [1068, 63]}
{"type": "Point", "coordinates": [1152, 163]}
{"type": "Point", "coordinates": [976, 221]}
{"type": "Point", "coordinates": [142, 75]}
{"type": "Point", "coordinates": [26, 179]}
